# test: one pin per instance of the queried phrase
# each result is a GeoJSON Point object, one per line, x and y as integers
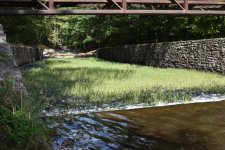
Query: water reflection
{"type": "Point", "coordinates": [181, 127]}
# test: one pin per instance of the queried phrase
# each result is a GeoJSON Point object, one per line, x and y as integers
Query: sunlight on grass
{"type": "Point", "coordinates": [101, 81]}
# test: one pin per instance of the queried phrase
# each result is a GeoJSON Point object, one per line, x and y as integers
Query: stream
{"type": "Point", "coordinates": [195, 126]}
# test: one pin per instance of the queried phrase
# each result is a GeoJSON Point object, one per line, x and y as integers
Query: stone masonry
{"type": "Point", "coordinates": [8, 66]}
{"type": "Point", "coordinates": [206, 54]}
{"type": "Point", "coordinates": [26, 54]}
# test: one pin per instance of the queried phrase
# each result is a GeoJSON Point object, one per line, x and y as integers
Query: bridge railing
{"type": "Point", "coordinates": [79, 7]}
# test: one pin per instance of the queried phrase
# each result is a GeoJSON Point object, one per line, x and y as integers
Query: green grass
{"type": "Point", "coordinates": [95, 81]}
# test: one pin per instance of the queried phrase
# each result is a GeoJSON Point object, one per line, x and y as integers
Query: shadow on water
{"type": "Point", "coordinates": [181, 127]}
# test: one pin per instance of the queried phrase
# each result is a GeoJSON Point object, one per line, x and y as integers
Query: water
{"type": "Point", "coordinates": [73, 106]}
{"type": "Point", "coordinates": [197, 126]}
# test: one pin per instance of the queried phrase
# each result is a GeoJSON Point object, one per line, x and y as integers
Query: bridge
{"type": "Point", "coordinates": [112, 7]}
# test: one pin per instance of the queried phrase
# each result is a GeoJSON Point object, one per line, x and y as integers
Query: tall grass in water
{"type": "Point", "coordinates": [94, 81]}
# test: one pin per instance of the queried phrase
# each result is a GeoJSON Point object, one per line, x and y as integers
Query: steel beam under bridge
{"type": "Point", "coordinates": [112, 7]}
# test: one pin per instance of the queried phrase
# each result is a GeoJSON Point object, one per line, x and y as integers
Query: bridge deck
{"type": "Point", "coordinates": [77, 7]}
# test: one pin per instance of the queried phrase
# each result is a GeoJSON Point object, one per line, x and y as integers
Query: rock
{"type": "Point", "coordinates": [223, 51]}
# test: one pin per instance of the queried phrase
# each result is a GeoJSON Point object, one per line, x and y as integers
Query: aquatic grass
{"type": "Point", "coordinates": [99, 82]}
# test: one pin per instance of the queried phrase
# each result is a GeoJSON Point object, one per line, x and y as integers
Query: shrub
{"type": "Point", "coordinates": [16, 122]}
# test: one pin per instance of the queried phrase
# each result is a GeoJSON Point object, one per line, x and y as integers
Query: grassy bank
{"type": "Point", "coordinates": [95, 82]}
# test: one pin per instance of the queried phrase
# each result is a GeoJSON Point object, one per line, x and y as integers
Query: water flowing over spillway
{"type": "Point", "coordinates": [67, 106]}
{"type": "Point", "coordinates": [185, 126]}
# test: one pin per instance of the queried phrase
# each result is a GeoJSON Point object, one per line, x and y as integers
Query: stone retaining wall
{"type": "Point", "coordinates": [207, 54]}
{"type": "Point", "coordinates": [8, 66]}
{"type": "Point", "coordinates": [26, 54]}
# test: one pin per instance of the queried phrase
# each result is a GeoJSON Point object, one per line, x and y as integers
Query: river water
{"type": "Point", "coordinates": [197, 126]}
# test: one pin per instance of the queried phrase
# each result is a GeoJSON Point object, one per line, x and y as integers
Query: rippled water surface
{"type": "Point", "coordinates": [183, 127]}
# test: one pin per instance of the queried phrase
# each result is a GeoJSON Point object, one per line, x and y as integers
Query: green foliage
{"type": "Point", "coordinates": [19, 127]}
{"type": "Point", "coordinates": [99, 31]}
{"type": "Point", "coordinates": [16, 122]}
{"type": "Point", "coordinates": [26, 29]}
{"type": "Point", "coordinates": [89, 31]}
{"type": "Point", "coordinates": [8, 96]}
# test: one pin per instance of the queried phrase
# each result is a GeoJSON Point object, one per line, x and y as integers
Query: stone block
{"type": "Point", "coordinates": [2, 39]}
{"type": "Point", "coordinates": [216, 53]}
{"type": "Point", "coordinates": [222, 51]}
